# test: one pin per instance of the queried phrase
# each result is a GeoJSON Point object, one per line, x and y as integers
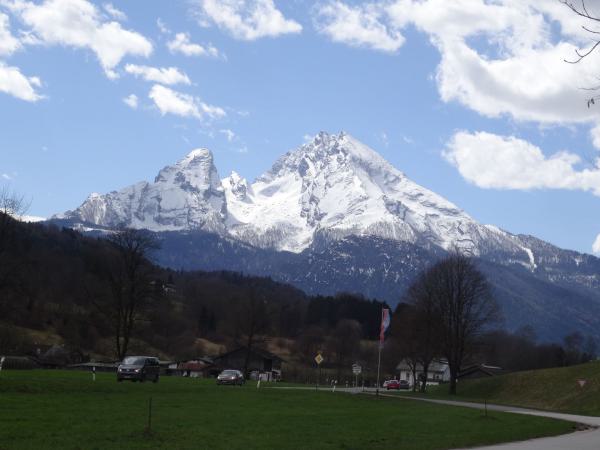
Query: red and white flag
{"type": "Point", "coordinates": [385, 323]}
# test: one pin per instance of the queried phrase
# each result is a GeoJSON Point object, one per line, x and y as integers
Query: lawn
{"type": "Point", "coordinates": [66, 410]}
{"type": "Point", "coordinates": [554, 389]}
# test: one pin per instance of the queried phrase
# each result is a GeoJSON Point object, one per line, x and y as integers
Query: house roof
{"type": "Point", "coordinates": [436, 365]}
{"type": "Point", "coordinates": [256, 350]}
{"type": "Point", "coordinates": [486, 369]}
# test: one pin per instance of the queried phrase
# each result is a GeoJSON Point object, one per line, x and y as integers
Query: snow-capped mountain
{"type": "Point", "coordinates": [334, 216]}
{"type": "Point", "coordinates": [328, 189]}
{"type": "Point", "coordinates": [186, 196]}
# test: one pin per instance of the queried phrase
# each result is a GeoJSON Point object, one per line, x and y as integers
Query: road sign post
{"type": "Point", "coordinates": [356, 370]}
{"type": "Point", "coordinates": [319, 359]}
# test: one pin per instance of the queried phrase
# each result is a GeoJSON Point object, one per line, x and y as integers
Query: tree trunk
{"type": "Point", "coordinates": [453, 375]}
{"type": "Point", "coordinates": [424, 382]}
{"type": "Point", "coordinates": [248, 350]}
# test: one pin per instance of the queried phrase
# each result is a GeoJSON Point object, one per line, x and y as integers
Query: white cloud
{"type": "Point", "coordinates": [595, 136]}
{"type": "Point", "coordinates": [131, 100]}
{"type": "Point", "coordinates": [6, 176]}
{"type": "Point", "coordinates": [359, 26]}
{"type": "Point", "coordinates": [79, 24]}
{"type": "Point", "coordinates": [162, 27]}
{"type": "Point", "coordinates": [169, 101]}
{"type": "Point", "coordinates": [116, 14]}
{"type": "Point", "coordinates": [181, 44]}
{"type": "Point", "coordinates": [247, 20]}
{"type": "Point", "coordinates": [8, 43]}
{"type": "Point", "coordinates": [497, 57]}
{"type": "Point", "coordinates": [596, 245]}
{"type": "Point", "coordinates": [14, 83]}
{"type": "Point", "coordinates": [500, 162]}
{"type": "Point", "coordinates": [384, 138]}
{"type": "Point", "coordinates": [229, 134]}
{"type": "Point", "coordinates": [163, 75]}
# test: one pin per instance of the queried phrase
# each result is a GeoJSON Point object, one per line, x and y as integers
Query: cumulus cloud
{"type": "Point", "coordinates": [115, 13]}
{"type": "Point", "coordinates": [181, 44]}
{"type": "Point", "coordinates": [169, 101]}
{"type": "Point", "coordinates": [229, 134]}
{"type": "Point", "coordinates": [79, 24]}
{"type": "Point", "coordinates": [131, 100]}
{"type": "Point", "coordinates": [8, 43]}
{"type": "Point", "coordinates": [163, 75]}
{"type": "Point", "coordinates": [497, 58]}
{"type": "Point", "coordinates": [247, 20]}
{"type": "Point", "coordinates": [14, 83]}
{"type": "Point", "coordinates": [506, 162]}
{"type": "Point", "coordinates": [364, 25]}
{"type": "Point", "coordinates": [596, 245]}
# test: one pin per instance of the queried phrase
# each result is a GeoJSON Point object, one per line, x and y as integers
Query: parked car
{"type": "Point", "coordinates": [403, 384]}
{"type": "Point", "coordinates": [139, 368]}
{"type": "Point", "coordinates": [391, 384]}
{"type": "Point", "coordinates": [231, 376]}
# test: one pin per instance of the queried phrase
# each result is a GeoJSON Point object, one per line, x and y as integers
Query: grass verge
{"type": "Point", "coordinates": [556, 389]}
{"type": "Point", "coordinates": [66, 410]}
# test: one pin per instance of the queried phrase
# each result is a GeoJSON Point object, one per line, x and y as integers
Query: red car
{"type": "Point", "coordinates": [396, 384]}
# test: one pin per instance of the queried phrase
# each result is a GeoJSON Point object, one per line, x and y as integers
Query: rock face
{"type": "Point", "coordinates": [333, 216]}
{"type": "Point", "coordinates": [186, 196]}
{"type": "Point", "coordinates": [328, 189]}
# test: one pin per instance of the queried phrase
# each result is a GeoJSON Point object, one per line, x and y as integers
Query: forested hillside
{"type": "Point", "coordinates": [58, 286]}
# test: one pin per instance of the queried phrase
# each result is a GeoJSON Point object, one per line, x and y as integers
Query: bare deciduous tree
{"type": "Point", "coordinates": [461, 298]}
{"type": "Point", "coordinates": [12, 207]}
{"type": "Point", "coordinates": [344, 344]}
{"type": "Point", "coordinates": [253, 321]}
{"type": "Point", "coordinates": [581, 9]}
{"type": "Point", "coordinates": [130, 282]}
{"type": "Point", "coordinates": [426, 329]}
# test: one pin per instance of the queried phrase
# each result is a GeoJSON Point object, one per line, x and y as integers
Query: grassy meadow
{"type": "Point", "coordinates": [67, 410]}
{"type": "Point", "coordinates": [554, 389]}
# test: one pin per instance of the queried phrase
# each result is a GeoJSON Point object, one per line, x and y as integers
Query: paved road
{"type": "Point", "coordinates": [580, 440]}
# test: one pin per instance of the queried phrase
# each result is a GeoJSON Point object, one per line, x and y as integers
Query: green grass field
{"type": "Point", "coordinates": [66, 410]}
{"type": "Point", "coordinates": [548, 389]}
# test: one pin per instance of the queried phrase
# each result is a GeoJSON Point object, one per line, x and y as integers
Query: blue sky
{"type": "Point", "coordinates": [471, 99]}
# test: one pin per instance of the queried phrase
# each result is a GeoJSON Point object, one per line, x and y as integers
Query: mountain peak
{"type": "Point", "coordinates": [333, 186]}
{"type": "Point", "coordinates": [198, 153]}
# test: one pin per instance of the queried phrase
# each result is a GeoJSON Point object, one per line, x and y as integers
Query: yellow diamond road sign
{"type": "Point", "coordinates": [319, 359]}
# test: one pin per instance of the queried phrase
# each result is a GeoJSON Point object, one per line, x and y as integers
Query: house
{"type": "Point", "coordinates": [437, 372]}
{"type": "Point", "coordinates": [18, 362]}
{"type": "Point", "coordinates": [193, 368]}
{"type": "Point", "coordinates": [479, 371]}
{"type": "Point", "coordinates": [261, 363]}
{"type": "Point", "coordinates": [96, 366]}
{"type": "Point", "coordinates": [57, 356]}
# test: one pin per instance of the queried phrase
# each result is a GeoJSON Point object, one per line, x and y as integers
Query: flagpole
{"type": "Point", "coordinates": [378, 367]}
{"type": "Point", "coordinates": [385, 323]}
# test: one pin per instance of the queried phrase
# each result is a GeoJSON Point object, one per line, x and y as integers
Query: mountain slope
{"type": "Point", "coordinates": [332, 216]}
{"type": "Point", "coordinates": [187, 195]}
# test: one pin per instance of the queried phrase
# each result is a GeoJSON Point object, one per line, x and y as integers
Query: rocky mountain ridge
{"type": "Point", "coordinates": [332, 216]}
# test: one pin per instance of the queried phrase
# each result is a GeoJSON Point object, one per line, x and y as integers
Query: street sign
{"type": "Point", "coordinates": [356, 369]}
{"type": "Point", "coordinates": [319, 359]}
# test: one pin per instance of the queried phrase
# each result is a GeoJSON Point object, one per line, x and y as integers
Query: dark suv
{"type": "Point", "coordinates": [139, 368]}
{"type": "Point", "coordinates": [231, 377]}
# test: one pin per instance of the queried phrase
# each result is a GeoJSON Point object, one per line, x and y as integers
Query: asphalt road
{"type": "Point", "coordinates": [587, 439]}
{"type": "Point", "coordinates": [580, 440]}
